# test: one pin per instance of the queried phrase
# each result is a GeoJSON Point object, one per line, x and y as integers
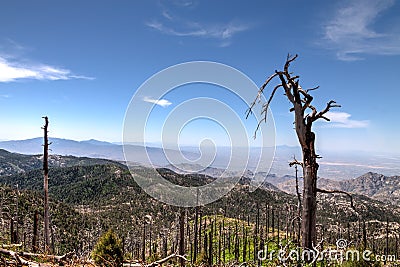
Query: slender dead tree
{"type": "Point", "coordinates": [305, 114]}
{"type": "Point", "coordinates": [46, 185]}
{"type": "Point", "coordinates": [196, 229]}
{"type": "Point", "coordinates": [295, 163]}
{"type": "Point", "coordinates": [182, 236]}
{"type": "Point", "coordinates": [35, 232]}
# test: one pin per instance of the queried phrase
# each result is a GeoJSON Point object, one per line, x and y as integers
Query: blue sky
{"type": "Point", "coordinates": [81, 62]}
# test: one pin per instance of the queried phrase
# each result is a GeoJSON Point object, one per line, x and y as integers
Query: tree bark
{"type": "Point", "coordinates": [308, 223]}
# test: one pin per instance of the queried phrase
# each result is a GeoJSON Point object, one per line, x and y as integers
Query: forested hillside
{"type": "Point", "coordinates": [88, 197]}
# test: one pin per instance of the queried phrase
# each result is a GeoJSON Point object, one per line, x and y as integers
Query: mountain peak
{"type": "Point", "coordinates": [96, 142]}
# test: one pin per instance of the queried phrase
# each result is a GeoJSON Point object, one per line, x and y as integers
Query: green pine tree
{"type": "Point", "coordinates": [108, 250]}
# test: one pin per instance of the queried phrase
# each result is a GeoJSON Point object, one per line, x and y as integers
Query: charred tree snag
{"type": "Point", "coordinates": [305, 114]}
{"type": "Point", "coordinates": [196, 229]}
{"type": "Point", "coordinates": [46, 185]}
{"type": "Point", "coordinates": [295, 163]}
{"type": "Point", "coordinates": [182, 236]}
{"type": "Point", "coordinates": [35, 232]}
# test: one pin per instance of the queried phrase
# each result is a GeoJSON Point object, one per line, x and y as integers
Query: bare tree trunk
{"type": "Point", "coordinates": [308, 223]}
{"type": "Point", "coordinates": [144, 242]}
{"type": "Point", "coordinates": [272, 222]}
{"type": "Point", "coordinates": [199, 238]}
{"type": "Point", "coordinates": [364, 235]}
{"type": "Point", "coordinates": [266, 220]}
{"type": "Point", "coordinates": [244, 243]}
{"type": "Point", "coordinates": [35, 232]}
{"type": "Point", "coordinates": [296, 163]}
{"type": "Point", "coordinates": [236, 242]}
{"type": "Point", "coordinates": [182, 236]}
{"type": "Point", "coordinates": [12, 239]}
{"type": "Point", "coordinates": [210, 245]}
{"type": "Point", "coordinates": [220, 243]}
{"type": "Point", "coordinates": [16, 232]}
{"type": "Point", "coordinates": [196, 228]}
{"type": "Point", "coordinates": [278, 225]}
{"type": "Point", "coordinates": [46, 186]}
{"type": "Point", "coordinates": [387, 239]}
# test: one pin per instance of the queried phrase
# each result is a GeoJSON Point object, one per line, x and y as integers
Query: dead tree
{"type": "Point", "coordinates": [35, 232]}
{"type": "Point", "coordinates": [305, 114]}
{"type": "Point", "coordinates": [196, 229]}
{"type": "Point", "coordinates": [295, 163]}
{"type": "Point", "coordinates": [182, 236]}
{"type": "Point", "coordinates": [46, 185]}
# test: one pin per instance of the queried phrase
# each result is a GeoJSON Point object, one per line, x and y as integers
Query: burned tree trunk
{"type": "Point", "coordinates": [35, 232]}
{"type": "Point", "coordinates": [46, 185]}
{"type": "Point", "coordinates": [300, 100]}
{"type": "Point", "coordinates": [182, 236]}
{"type": "Point", "coordinates": [196, 228]}
{"type": "Point", "coordinates": [295, 162]}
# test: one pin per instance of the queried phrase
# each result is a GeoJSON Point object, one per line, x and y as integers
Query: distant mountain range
{"type": "Point", "coordinates": [94, 149]}
{"type": "Point", "coordinates": [333, 165]}
{"type": "Point", "coordinates": [373, 185]}
{"type": "Point", "coordinates": [106, 188]}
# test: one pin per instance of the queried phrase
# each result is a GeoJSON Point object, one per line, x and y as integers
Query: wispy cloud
{"type": "Point", "coordinates": [12, 70]}
{"type": "Point", "coordinates": [161, 102]}
{"type": "Point", "coordinates": [352, 34]}
{"type": "Point", "coordinates": [220, 32]}
{"type": "Point", "coordinates": [171, 24]}
{"type": "Point", "coordinates": [5, 96]}
{"type": "Point", "coordinates": [167, 15]}
{"type": "Point", "coordinates": [342, 120]}
{"type": "Point", "coordinates": [184, 3]}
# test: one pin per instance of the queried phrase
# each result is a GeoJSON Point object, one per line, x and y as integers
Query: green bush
{"type": "Point", "coordinates": [108, 250]}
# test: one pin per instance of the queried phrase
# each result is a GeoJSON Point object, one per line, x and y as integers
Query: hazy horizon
{"type": "Point", "coordinates": [348, 48]}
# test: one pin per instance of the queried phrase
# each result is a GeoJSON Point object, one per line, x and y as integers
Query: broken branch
{"type": "Point", "coordinates": [338, 192]}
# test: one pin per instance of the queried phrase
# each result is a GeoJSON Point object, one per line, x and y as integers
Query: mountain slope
{"type": "Point", "coordinates": [373, 185]}
{"type": "Point", "coordinates": [96, 149]}
{"type": "Point", "coordinates": [112, 184]}
{"type": "Point", "coordinates": [376, 186]}
{"type": "Point", "coordinates": [13, 163]}
{"type": "Point", "coordinates": [69, 226]}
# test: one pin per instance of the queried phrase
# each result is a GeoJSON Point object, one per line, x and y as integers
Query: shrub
{"type": "Point", "coordinates": [108, 250]}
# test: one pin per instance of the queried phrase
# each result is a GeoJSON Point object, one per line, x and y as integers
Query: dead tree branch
{"type": "Point", "coordinates": [156, 263]}
{"type": "Point", "coordinates": [20, 261]}
{"type": "Point", "coordinates": [338, 192]}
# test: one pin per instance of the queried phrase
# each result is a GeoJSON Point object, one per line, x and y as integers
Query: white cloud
{"type": "Point", "coordinates": [12, 70]}
{"type": "Point", "coordinates": [171, 24]}
{"type": "Point", "coordinates": [221, 32]}
{"type": "Point", "coordinates": [342, 120]}
{"type": "Point", "coordinates": [161, 102]}
{"type": "Point", "coordinates": [167, 15]}
{"type": "Point", "coordinates": [351, 31]}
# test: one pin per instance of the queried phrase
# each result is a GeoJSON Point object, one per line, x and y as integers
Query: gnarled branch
{"type": "Point", "coordinates": [338, 192]}
{"type": "Point", "coordinates": [320, 115]}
